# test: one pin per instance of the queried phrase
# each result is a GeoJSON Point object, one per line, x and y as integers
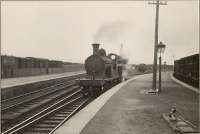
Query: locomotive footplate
{"type": "Point", "coordinates": [96, 87]}
{"type": "Point", "coordinates": [96, 82]}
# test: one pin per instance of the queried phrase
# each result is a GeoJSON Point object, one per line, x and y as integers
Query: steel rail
{"type": "Point", "coordinates": [38, 115]}
{"type": "Point", "coordinates": [37, 97]}
{"type": "Point", "coordinates": [29, 93]}
{"type": "Point", "coordinates": [70, 78]}
{"type": "Point", "coordinates": [29, 110]}
{"type": "Point", "coordinates": [68, 117]}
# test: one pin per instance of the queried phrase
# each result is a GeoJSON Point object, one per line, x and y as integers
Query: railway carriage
{"type": "Point", "coordinates": [187, 70]}
{"type": "Point", "coordinates": [12, 66]}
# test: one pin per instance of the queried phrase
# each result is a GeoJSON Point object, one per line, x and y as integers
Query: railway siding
{"type": "Point", "coordinates": [36, 96]}
{"type": "Point", "coordinates": [20, 86]}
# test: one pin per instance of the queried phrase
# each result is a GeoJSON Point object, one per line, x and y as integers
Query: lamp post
{"type": "Point", "coordinates": [164, 66]}
{"type": "Point", "coordinates": [161, 49]}
{"type": "Point", "coordinates": [157, 3]}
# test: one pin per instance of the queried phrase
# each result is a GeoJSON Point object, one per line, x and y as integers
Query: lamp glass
{"type": "Point", "coordinates": [161, 47]}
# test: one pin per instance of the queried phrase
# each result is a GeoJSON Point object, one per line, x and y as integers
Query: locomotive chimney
{"type": "Point", "coordinates": [95, 48]}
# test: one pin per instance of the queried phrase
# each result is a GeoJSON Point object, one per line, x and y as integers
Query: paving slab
{"type": "Point", "coordinates": [130, 112]}
{"type": "Point", "coordinates": [179, 125]}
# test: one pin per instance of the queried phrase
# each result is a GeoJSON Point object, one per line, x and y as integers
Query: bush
{"type": "Point", "coordinates": [142, 68]}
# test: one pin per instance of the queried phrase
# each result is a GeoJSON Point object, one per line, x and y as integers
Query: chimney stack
{"type": "Point", "coordinates": [95, 48]}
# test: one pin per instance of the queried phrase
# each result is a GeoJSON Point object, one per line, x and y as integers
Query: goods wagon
{"type": "Point", "coordinates": [187, 70]}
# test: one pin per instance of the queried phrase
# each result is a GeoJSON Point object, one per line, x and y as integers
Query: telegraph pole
{"type": "Point", "coordinates": [157, 3]}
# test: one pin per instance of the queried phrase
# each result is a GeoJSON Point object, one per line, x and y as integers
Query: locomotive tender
{"type": "Point", "coordinates": [103, 72]}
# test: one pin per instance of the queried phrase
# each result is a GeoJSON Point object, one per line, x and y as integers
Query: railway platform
{"type": "Point", "coordinates": [124, 109]}
{"type": "Point", "coordinates": [11, 82]}
{"type": "Point", "coordinates": [15, 87]}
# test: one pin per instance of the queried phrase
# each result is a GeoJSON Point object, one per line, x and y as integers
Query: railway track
{"type": "Point", "coordinates": [19, 112]}
{"type": "Point", "coordinates": [48, 120]}
{"type": "Point", "coordinates": [33, 95]}
{"type": "Point", "coordinates": [42, 88]}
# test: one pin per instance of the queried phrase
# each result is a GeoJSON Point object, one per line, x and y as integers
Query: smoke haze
{"type": "Point", "coordinates": [65, 30]}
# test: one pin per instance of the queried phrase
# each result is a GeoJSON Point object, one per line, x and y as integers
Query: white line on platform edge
{"type": "Point", "coordinates": [184, 84]}
{"type": "Point", "coordinates": [79, 120]}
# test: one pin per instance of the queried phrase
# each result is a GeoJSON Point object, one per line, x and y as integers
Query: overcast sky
{"type": "Point", "coordinates": [65, 30]}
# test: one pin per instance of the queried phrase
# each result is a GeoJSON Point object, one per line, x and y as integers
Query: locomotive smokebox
{"type": "Point", "coordinates": [95, 48]}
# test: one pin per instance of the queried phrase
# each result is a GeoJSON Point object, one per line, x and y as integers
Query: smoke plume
{"type": "Point", "coordinates": [111, 33]}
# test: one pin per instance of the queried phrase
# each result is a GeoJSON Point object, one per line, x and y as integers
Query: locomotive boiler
{"type": "Point", "coordinates": [103, 71]}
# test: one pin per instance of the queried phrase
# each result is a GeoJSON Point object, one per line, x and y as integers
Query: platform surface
{"type": "Point", "coordinates": [10, 82]}
{"type": "Point", "coordinates": [130, 112]}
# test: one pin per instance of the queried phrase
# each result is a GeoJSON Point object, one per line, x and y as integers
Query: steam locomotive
{"type": "Point", "coordinates": [103, 72]}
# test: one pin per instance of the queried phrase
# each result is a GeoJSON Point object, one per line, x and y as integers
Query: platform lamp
{"type": "Point", "coordinates": [161, 49]}
{"type": "Point", "coordinates": [165, 66]}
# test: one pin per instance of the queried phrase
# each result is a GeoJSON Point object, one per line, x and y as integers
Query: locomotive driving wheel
{"type": "Point", "coordinates": [85, 91]}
